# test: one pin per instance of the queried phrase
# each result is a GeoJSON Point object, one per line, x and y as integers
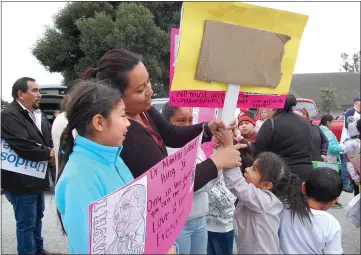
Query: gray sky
{"type": "Point", "coordinates": [332, 28]}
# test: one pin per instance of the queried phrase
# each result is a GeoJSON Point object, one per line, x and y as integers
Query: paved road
{"type": "Point", "coordinates": [56, 242]}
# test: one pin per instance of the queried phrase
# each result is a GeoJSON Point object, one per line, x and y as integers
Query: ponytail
{"type": "Point", "coordinates": [288, 190]}
{"type": "Point", "coordinates": [291, 101]}
{"type": "Point", "coordinates": [89, 73]}
{"type": "Point", "coordinates": [65, 149]}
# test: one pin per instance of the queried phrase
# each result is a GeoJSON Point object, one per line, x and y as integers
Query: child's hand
{"type": "Point", "coordinates": [173, 250]}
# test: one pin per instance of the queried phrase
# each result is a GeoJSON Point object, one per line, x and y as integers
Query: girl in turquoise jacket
{"type": "Point", "coordinates": [90, 167]}
{"type": "Point", "coordinates": [334, 148]}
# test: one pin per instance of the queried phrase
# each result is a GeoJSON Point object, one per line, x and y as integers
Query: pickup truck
{"type": "Point", "coordinates": [310, 106]}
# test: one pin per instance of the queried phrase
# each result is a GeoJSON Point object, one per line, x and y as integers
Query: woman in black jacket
{"type": "Point", "coordinates": [288, 135]}
{"type": "Point", "coordinates": [319, 140]}
{"type": "Point", "coordinates": [149, 132]}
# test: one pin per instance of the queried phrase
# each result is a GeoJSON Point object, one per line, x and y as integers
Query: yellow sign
{"type": "Point", "coordinates": [196, 13]}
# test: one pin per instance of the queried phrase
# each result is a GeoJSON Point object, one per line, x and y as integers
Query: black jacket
{"type": "Point", "coordinates": [291, 138]}
{"type": "Point", "coordinates": [320, 143]}
{"type": "Point", "coordinates": [21, 133]}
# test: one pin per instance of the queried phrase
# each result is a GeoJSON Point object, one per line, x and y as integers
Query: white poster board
{"type": "Point", "coordinates": [11, 161]}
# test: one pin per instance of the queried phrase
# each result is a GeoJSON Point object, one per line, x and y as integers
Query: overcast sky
{"type": "Point", "coordinates": [333, 27]}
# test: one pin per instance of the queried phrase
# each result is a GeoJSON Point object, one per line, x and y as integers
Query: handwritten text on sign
{"type": "Point", "coordinates": [11, 161]}
{"type": "Point", "coordinates": [215, 99]}
{"type": "Point", "coordinates": [147, 215]}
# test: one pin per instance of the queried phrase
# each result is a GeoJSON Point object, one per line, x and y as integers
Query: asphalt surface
{"type": "Point", "coordinates": [55, 241]}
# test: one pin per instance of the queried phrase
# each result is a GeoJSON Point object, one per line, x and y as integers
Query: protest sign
{"type": "Point", "coordinates": [216, 99]}
{"type": "Point", "coordinates": [11, 161]}
{"type": "Point", "coordinates": [147, 215]}
{"type": "Point", "coordinates": [212, 94]}
{"type": "Point", "coordinates": [201, 115]}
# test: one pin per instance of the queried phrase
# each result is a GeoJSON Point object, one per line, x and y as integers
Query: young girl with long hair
{"type": "Point", "coordinates": [193, 238]}
{"type": "Point", "coordinates": [90, 166]}
{"type": "Point", "coordinates": [263, 191]}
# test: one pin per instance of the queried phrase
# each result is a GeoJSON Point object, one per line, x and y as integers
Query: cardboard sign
{"type": "Point", "coordinates": [11, 161]}
{"type": "Point", "coordinates": [240, 55]}
{"type": "Point", "coordinates": [214, 99]}
{"type": "Point", "coordinates": [194, 16]}
{"type": "Point", "coordinates": [147, 215]}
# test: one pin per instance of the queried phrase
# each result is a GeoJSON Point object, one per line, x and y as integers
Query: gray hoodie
{"type": "Point", "coordinates": [256, 217]}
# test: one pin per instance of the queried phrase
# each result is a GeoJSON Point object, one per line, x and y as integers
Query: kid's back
{"type": "Point", "coordinates": [323, 234]}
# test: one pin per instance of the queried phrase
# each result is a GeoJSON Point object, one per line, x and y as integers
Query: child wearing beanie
{"type": "Point", "coordinates": [247, 127]}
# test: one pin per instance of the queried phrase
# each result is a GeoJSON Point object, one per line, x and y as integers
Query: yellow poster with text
{"type": "Point", "coordinates": [196, 13]}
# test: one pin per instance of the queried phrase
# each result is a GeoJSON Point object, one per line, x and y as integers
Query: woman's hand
{"type": "Point", "coordinates": [215, 125]}
{"type": "Point", "coordinates": [172, 250]}
{"type": "Point", "coordinates": [228, 157]}
{"type": "Point", "coordinates": [224, 137]}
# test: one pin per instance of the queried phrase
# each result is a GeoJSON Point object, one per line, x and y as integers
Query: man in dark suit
{"type": "Point", "coordinates": [25, 128]}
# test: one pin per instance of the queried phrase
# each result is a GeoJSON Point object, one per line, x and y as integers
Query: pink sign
{"type": "Point", "coordinates": [174, 39]}
{"type": "Point", "coordinates": [215, 99]}
{"type": "Point", "coordinates": [147, 215]}
{"type": "Point", "coordinates": [205, 115]}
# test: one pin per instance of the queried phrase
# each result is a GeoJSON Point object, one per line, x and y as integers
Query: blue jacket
{"type": "Point", "coordinates": [92, 172]}
{"type": "Point", "coordinates": [333, 145]}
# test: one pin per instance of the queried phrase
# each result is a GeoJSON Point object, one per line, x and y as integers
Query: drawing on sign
{"type": "Point", "coordinates": [129, 222]}
{"type": "Point", "coordinates": [119, 221]}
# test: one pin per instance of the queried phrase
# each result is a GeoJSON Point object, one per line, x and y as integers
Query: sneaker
{"type": "Point", "coordinates": [337, 205]}
{"type": "Point", "coordinates": [348, 189]}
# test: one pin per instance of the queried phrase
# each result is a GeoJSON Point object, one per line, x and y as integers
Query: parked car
{"type": "Point", "coordinates": [340, 117]}
{"type": "Point", "coordinates": [51, 97]}
{"type": "Point", "coordinates": [159, 102]}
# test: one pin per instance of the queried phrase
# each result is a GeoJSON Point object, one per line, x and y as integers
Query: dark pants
{"type": "Point", "coordinates": [345, 176]}
{"type": "Point", "coordinates": [220, 243]}
{"type": "Point", "coordinates": [356, 189]}
{"type": "Point", "coordinates": [29, 211]}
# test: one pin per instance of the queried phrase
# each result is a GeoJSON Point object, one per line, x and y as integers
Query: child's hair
{"type": "Point", "coordinates": [168, 111]}
{"type": "Point", "coordinates": [323, 184]}
{"type": "Point", "coordinates": [326, 118]}
{"type": "Point", "coordinates": [246, 155]}
{"type": "Point", "coordinates": [286, 186]}
{"type": "Point", "coordinates": [88, 98]}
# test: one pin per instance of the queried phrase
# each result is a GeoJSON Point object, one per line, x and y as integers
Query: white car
{"type": "Point", "coordinates": [159, 102]}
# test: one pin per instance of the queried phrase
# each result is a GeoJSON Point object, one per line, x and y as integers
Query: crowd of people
{"type": "Point", "coordinates": [260, 190]}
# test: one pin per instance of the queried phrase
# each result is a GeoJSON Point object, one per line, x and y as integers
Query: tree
{"type": "Point", "coordinates": [4, 104]}
{"type": "Point", "coordinates": [84, 31]}
{"type": "Point", "coordinates": [350, 63]}
{"type": "Point", "coordinates": [327, 98]}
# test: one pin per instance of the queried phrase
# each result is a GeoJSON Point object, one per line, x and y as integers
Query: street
{"type": "Point", "coordinates": [55, 241]}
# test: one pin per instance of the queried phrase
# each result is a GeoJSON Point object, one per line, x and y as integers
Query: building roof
{"type": "Point", "coordinates": [308, 85]}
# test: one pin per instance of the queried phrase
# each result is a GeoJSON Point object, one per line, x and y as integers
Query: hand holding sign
{"type": "Point", "coordinates": [173, 250]}
{"type": "Point", "coordinates": [216, 125]}
{"type": "Point", "coordinates": [227, 157]}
